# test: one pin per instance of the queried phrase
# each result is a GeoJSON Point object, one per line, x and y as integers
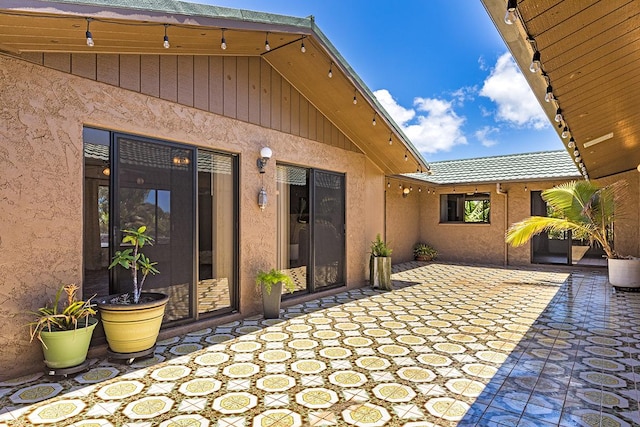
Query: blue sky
{"type": "Point", "coordinates": [439, 67]}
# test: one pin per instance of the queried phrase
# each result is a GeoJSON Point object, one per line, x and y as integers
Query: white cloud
{"type": "Point", "coordinates": [516, 104]}
{"type": "Point", "coordinates": [484, 136]}
{"type": "Point", "coordinates": [431, 126]}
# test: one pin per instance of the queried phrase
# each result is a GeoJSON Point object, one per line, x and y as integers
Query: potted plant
{"type": "Point", "coordinates": [270, 284]}
{"type": "Point", "coordinates": [64, 331]}
{"type": "Point", "coordinates": [588, 211]}
{"type": "Point", "coordinates": [132, 321]}
{"type": "Point", "coordinates": [380, 264]}
{"type": "Point", "coordinates": [424, 252]}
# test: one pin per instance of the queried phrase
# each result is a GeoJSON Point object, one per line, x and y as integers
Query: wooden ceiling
{"type": "Point", "coordinates": [36, 26]}
{"type": "Point", "coordinates": [590, 53]}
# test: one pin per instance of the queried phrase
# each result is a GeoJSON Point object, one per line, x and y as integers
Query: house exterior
{"type": "Point", "coordinates": [235, 155]}
{"type": "Point", "coordinates": [506, 189]}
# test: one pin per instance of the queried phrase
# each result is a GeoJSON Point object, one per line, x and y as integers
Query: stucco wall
{"type": "Point", "coordinates": [41, 179]}
{"type": "Point", "coordinates": [403, 219]}
{"type": "Point", "coordinates": [373, 210]}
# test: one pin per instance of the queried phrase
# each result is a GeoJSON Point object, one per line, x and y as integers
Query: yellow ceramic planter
{"type": "Point", "coordinates": [132, 328]}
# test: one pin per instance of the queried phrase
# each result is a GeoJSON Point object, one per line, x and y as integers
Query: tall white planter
{"type": "Point", "coordinates": [624, 273]}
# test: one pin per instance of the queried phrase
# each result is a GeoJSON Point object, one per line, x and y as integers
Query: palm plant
{"type": "Point", "coordinates": [582, 207]}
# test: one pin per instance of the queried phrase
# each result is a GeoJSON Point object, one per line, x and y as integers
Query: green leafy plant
{"type": "Point", "coordinates": [135, 261]}
{"type": "Point", "coordinates": [379, 248]}
{"type": "Point", "coordinates": [583, 207]}
{"type": "Point", "coordinates": [266, 279]}
{"type": "Point", "coordinates": [424, 250]}
{"type": "Point", "coordinates": [55, 317]}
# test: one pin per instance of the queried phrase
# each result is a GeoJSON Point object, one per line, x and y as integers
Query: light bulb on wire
{"type": "Point", "coordinates": [267, 46]}
{"type": "Point", "coordinates": [223, 41]}
{"type": "Point", "coordinates": [572, 143]}
{"type": "Point", "coordinates": [88, 34]}
{"type": "Point", "coordinates": [165, 42]}
{"type": "Point", "coordinates": [302, 48]}
{"type": "Point", "coordinates": [355, 98]}
{"type": "Point", "coordinates": [558, 117]}
{"type": "Point", "coordinates": [565, 132]}
{"type": "Point", "coordinates": [535, 62]}
{"type": "Point", "coordinates": [373, 122]}
{"type": "Point", "coordinates": [510, 16]}
{"type": "Point", "coordinates": [548, 97]}
{"type": "Point", "coordinates": [330, 74]}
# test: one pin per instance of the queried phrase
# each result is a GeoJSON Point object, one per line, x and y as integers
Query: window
{"type": "Point", "coordinates": [467, 208]}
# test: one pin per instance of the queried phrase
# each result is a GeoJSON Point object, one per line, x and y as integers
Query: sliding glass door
{"type": "Point", "coordinates": [311, 226]}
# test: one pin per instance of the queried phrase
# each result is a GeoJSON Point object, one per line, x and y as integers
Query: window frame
{"type": "Point", "coordinates": [460, 200]}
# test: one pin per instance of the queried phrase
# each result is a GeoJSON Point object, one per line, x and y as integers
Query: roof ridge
{"type": "Point", "coordinates": [470, 159]}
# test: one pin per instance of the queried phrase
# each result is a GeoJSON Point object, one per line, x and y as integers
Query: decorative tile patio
{"type": "Point", "coordinates": [451, 345]}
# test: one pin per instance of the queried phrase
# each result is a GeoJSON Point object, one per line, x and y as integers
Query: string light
{"type": "Point", "coordinates": [373, 122]}
{"type": "Point", "coordinates": [558, 117]}
{"type": "Point", "coordinates": [535, 62]}
{"type": "Point", "coordinates": [388, 184]}
{"type": "Point", "coordinates": [330, 70]}
{"type": "Point", "coordinates": [267, 46]}
{"type": "Point", "coordinates": [572, 143]}
{"type": "Point", "coordinates": [565, 132]}
{"type": "Point", "coordinates": [419, 189]}
{"type": "Point", "coordinates": [355, 99]}
{"type": "Point", "coordinates": [390, 138]}
{"type": "Point", "coordinates": [88, 33]}
{"type": "Point", "coordinates": [223, 42]}
{"type": "Point", "coordinates": [511, 17]}
{"type": "Point", "coordinates": [302, 48]}
{"type": "Point", "coordinates": [406, 157]}
{"type": "Point", "coordinates": [165, 43]}
{"type": "Point", "coordinates": [576, 153]}
{"type": "Point", "coordinates": [549, 95]}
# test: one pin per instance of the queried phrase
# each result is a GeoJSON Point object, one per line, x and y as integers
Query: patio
{"type": "Point", "coordinates": [452, 345]}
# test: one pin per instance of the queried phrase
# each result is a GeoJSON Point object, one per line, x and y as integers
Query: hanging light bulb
{"type": "Point", "coordinates": [223, 42]}
{"type": "Point", "coordinates": [565, 132]}
{"type": "Point", "coordinates": [578, 159]}
{"type": "Point", "coordinates": [388, 184]}
{"type": "Point", "coordinates": [572, 143]}
{"type": "Point", "coordinates": [558, 117]}
{"type": "Point", "coordinates": [390, 139]}
{"type": "Point", "coordinates": [373, 122]}
{"type": "Point", "coordinates": [511, 17]}
{"type": "Point", "coordinates": [330, 70]}
{"type": "Point", "coordinates": [535, 62]}
{"type": "Point", "coordinates": [88, 33]}
{"type": "Point", "coordinates": [302, 48]}
{"type": "Point", "coordinates": [576, 153]}
{"type": "Point", "coordinates": [549, 95]}
{"type": "Point", "coordinates": [165, 43]}
{"type": "Point", "coordinates": [406, 157]}
{"type": "Point", "coordinates": [419, 189]}
{"type": "Point", "coordinates": [355, 99]}
{"type": "Point", "coordinates": [267, 46]}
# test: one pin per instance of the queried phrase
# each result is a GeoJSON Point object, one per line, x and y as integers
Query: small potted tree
{"type": "Point", "coordinates": [132, 321]}
{"type": "Point", "coordinates": [424, 252]}
{"type": "Point", "coordinates": [380, 264]}
{"type": "Point", "coordinates": [64, 329]}
{"type": "Point", "coordinates": [270, 284]}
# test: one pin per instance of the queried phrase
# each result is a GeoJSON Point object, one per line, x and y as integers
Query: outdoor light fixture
{"type": "Point", "coordinates": [510, 17]}
{"type": "Point", "coordinates": [223, 42]}
{"type": "Point", "coordinates": [405, 191]}
{"type": "Point", "coordinates": [558, 117]}
{"type": "Point", "coordinates": [106, 170]}
{"type": "Point", "coordinates": [267, 46]}
{"type": "Point", "coordinates": [572, 143]}
{"type": "Point", "coordinates": [373, 122]}
{"type": "Point", "coordinates": [578, 159]}
{"type": "Point", "coordinates": [355, 96]}
{"type": "Point", "coordinates": [265, 155]}
{"type": "Point", "coordinates": [406, 157]}
{"type": "Point", "coordinates": [88, 34]}
{"type": "Point", "coordinates": [165, 43]}
{"type": "Point", "coordinates": [330, 70]}
{"type": "Point", "coordinates": [576, 153]}
{"type": "Point", "coordinates": [262, 199]}
{"type": "Point", "coordinates": [535, 62]}
{"type": "Point", "coordinates": [302, 48]}
{"type": "Point", "coordinates": [390, 139]}
{"type": "Point", "coordinates": [389, 183]}
{"type": "Point", "coordinates": [565, 132]}
{"type": "Point", "coordinates": [549, 95]}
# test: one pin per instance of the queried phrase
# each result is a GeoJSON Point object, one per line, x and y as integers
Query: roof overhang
{"type": "Point", "coordinates": [590, 55]}
{"type": "Point", "coordinates": [126, 27]}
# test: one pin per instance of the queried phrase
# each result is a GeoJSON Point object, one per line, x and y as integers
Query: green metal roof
{"type": "Point", "coordinates": [540, 166]}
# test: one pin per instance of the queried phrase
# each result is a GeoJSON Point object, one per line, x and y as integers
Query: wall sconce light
{"type": "Point", "coordinates": [405, 191]}
{"type": "Point", "coordinates": [265, 155]}
{"type": "Point", "coordinates": [106, 170]}
{"type": "Point", "coordinates": [262, 199]}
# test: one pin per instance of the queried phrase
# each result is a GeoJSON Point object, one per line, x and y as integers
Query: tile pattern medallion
{"type": "Point", "coordinates": [451, 345]}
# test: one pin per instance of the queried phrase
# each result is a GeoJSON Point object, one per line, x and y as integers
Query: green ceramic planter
{"type": "Point", "coordinates": [65, 349]}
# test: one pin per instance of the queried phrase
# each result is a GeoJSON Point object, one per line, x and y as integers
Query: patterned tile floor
{"type": "Point", "coordinates": [451, 345]}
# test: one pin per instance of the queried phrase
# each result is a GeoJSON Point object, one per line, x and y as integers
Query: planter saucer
{"type": "Point", "coordinates": [63, 372]}
{"type": "Point", "coordinates": [130, 357]}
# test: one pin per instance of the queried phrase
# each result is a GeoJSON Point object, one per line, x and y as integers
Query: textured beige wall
{"type": "Point", "coordinates": [41, 178]}
{"type": "Point", "coordinates": [403, 219]}
{"type": "Point", "coordinates": [373, 210]}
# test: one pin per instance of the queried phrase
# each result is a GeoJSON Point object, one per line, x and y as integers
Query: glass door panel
{"type": "Point", "coordinates": [216, 232]}
{"type": "Point", "coordinates": [154, 186]}
{"type": "Point", "coordinates": [328, 229]}
{"type": "Point", "coordinates": [293, 231]}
